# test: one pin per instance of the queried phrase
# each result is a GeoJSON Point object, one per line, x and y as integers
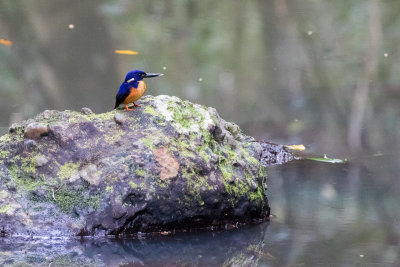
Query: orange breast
{"type": "Point", "coordinates": [136, 93]}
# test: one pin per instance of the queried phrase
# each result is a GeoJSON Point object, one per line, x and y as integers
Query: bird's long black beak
{"type": "Point", "coordinates": [151, 75]}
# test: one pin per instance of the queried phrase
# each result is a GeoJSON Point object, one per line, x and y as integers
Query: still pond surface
{"type": "Point", "coordinates": [323, 215]}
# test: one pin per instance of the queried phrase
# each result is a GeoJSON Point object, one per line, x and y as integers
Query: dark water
{"type": "Point", "coordinates": [335, 215]}
{"type": "Point", "coordinates": [323, 215]}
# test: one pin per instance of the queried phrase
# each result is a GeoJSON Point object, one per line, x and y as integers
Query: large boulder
{"type": "Point", "coordinates": [169, 164]}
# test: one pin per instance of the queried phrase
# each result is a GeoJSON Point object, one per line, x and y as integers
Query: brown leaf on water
{"type": "Point", "coordinates": [5, 42]}
{"type": "Point", "coordinates": [126, 52]}
{"type": "Point", "coordinates": [300, 147]}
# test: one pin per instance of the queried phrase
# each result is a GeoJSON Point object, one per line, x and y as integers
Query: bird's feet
{"type": "Point", "coordinates": [126, 108]}
{"type": "Point", "coordinates": [136, 105]}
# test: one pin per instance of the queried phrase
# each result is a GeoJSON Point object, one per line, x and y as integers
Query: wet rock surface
{"type": "Point", "coordinates": [169, 164]}
{"type": "Point", "coordinates": [273, 154]}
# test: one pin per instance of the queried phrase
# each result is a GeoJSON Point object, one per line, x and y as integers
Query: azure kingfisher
{"type": "Point", "coordinates": [133, 88]}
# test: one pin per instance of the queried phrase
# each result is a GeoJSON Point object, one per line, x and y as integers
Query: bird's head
{"type": "Point", "coordinates": [138, 75]}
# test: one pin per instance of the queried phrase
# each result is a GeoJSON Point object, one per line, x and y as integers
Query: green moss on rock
{"type": "Point", "coordinates": [5, 208]}
{"type": "Point", "coordinates": [69, 199]}
{"type": "Point", "coordinates": [97, 171]}
{"type": "Point", "coordinates": [67, 170]}
{"type": "Point", "coordinates": [133, 185]}
{"type": "Point", "coordinates": [4, 154]}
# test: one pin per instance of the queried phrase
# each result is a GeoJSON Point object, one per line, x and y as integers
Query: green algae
{"type": "Point", "coordinates": [109, 189]}
{"type": "Point", "coordinates": [257, 196]}
{"type": "Point", "coordinates": [28, 165]}
{"type": "Point", "coordinates": [185, 114]}
{"type": "Point", "coordinates": [239, 187]}
{"type": "Point", "coordinates": [157, 117]}
{"type": "Point", "coordinates": [162, 183]}
{"type": "Point", "coordinates": [6, 208]}
{"type": "Point", "coordinates": [80, 117]}
{"type": "Point", "coordinates": [205, 154]}
{"type": "Point", "coordinates": [23, 180]}
{"type": "Point", "coordinates": [112, 138]}
{"type": "Point", "coordinates": [148, 141]}
{"type": "Point", "coordinates": [150, 110]}
{"type": "Point", "coordinates": [140, 172]}
{"type": "Point", "coordinates": [103, 116]}
{"type": "Point", "coordinates": [5, 138]}
{"type": "Point", "coordinates": [67, 170]}
{"type": "Point", "coordinates": [4, 194]}
{"type": "Point", "coordinates": [194, 185]}
{"type": "Point", "coordinates": [4, 154]}
{"type": "Point", "coordinates": [67, 199]}
{"type": "Point", "coordinates": [226, 172]}
{"type": "Point", "coordinates": [133, 185]}
{"type": "Point", "coordinates": [77, 119]}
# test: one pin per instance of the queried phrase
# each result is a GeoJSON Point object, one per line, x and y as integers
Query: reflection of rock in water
{"type": "Point", "coordinates": [168, 165]}
{"type": "Point", "coordinates": [238, 246]}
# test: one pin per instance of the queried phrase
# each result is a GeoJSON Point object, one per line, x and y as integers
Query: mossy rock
{"type": "Point", "coordinates": [169, 164]}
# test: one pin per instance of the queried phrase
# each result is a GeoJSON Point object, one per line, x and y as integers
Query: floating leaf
{"type": "Point", "coordinates": [5, 42]}
{"type": "Point", "coordinates": [328, 160]}
{"type": "Point", "coordinates": [126, 52]}
{"type": "Point", "coordinates": [300, 147]}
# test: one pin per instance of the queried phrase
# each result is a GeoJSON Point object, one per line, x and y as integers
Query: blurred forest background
{"type": "Point", "coordinates": [322, 73]}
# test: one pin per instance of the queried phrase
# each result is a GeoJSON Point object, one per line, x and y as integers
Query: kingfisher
{"type": "Point", "coordinates": [133, 88]}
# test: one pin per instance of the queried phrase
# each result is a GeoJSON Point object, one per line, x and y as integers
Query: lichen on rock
{"type": "Point", "coordinates": [169, 164]}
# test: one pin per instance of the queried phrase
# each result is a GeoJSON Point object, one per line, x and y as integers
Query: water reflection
{"type": "Point", "coordinates": [239, 246]}
{"type": "Point", "coordinates": [335, 214]}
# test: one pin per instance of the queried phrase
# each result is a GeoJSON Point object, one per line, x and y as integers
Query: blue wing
{"type": "Point", "coordinates": [123, 93]}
